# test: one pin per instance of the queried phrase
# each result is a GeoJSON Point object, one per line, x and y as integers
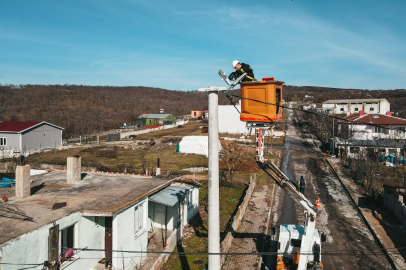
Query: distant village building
{"type": "Point", "coordinates": [199, 114]}
{"type": "Point", "coordinates": [344, 106]}
{"type": "Point", "coordinates": [23, 137]}
{"type": "Point", "coordinates": [368, 149]}
{"type": "Point", "coordinates": [389, 127]}
{"type": "Point", "coordinates": [155, 118]}
{"type": "Point", "coordinates": [88, 218]}
{"type": "Point", "coordinates": [308, 106]}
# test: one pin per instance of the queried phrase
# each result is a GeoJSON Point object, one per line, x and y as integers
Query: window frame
{"type": "Point", "coordinates": [3, 141]}
{"type": "Point", "coordinates": [61, 235]}
{"type": "Point", "coordinates": [138, 218]}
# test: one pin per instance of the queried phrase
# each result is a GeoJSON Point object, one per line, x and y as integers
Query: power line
{"type": "Point", "coordinates": [230, 97]}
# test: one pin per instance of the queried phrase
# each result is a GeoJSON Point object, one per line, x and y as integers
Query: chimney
{"type": "Point", "coordinates": [361, 113]}
{"type": "Point", "coordinates": [161, 110]}
{"type": "Point", "coordinates": [23, 188]}
{"type": "Point", "coordinates": [389, 113]}
{"type": "Point", "coordinates": [74, 169]}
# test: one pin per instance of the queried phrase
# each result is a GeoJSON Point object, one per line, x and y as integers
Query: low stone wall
{"type": "Point", "coordinates": [226, 243]}
{"type": "Point", "coordinates": [142, 131]}
{"type": "Point", "coordinates": [159, 263]}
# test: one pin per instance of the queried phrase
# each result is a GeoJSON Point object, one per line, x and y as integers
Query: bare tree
{"type": "Point", "coordinates": [231, 154]}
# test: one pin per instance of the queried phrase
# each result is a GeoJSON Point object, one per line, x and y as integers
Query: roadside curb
{"type": "Point", "coordinates": [371, 229]}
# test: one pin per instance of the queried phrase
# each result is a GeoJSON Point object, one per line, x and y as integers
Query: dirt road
{"type": "Point", "coordinates": [350, 245]}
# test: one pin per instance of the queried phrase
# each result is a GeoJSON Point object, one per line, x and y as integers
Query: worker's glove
{"type": "Point", "coordinates": [231, 77]}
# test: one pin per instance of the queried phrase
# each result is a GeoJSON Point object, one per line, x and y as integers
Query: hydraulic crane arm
{"type": "Point", "coordinates": [291, 188]}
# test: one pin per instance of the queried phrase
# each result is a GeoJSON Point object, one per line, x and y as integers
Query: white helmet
{"type": "Point", "coordinates": [235, 62]}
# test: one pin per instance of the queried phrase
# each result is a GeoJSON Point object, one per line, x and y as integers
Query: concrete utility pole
{"type": "Point", "coordinates": [213, 193]}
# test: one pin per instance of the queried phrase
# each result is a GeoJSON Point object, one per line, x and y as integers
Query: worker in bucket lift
{"type": "Point", "coordinates": [241, 68]}
{"type": "Point", "coordinates": [302, 184]}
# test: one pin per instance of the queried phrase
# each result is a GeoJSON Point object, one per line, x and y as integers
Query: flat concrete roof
{"type": "Point", "coordinates": [96, 195]}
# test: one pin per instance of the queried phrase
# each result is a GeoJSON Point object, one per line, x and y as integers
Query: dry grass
{"type": "Point", "coordinates": [110, 158]}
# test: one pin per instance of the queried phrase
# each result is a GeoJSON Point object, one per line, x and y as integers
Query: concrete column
{"type": "Point", "coordinates": [213, 192]}
{"type": "Point", "coordinates": [74, 169]}
{"type": "Point", "coordinates": [98, 139]}
{"type": "Point", "coordinates": [158, 171]}
{"type": "Point", "coordinates": [23, 187]}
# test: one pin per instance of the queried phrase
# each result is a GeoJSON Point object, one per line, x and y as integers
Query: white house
{"type": "Point", "coordinates": [98, 217]}
{"type": "Point", "coordinates": [388, 126]}
{"type": "Point", "coordinates": [22, 137]}
{"type": "Point", "coordinates": [344, 106]}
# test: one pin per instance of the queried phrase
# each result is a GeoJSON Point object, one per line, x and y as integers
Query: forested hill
{"type": "Point", "coordinates": [87, 109]}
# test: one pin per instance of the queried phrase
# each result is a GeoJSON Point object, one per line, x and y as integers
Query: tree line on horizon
{"type": "Point", "coordinates": [86, 110]}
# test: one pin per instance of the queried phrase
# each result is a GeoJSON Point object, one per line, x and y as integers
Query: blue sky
{"type": "Point", "coordinates": [180, 45]}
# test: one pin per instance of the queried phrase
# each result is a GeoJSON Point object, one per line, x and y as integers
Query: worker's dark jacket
{"type": "Point", "coordinates": [244, 69]}
{"type": "Point", "coordinates": [302, 182]}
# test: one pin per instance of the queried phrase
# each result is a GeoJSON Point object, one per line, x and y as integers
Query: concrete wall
{"type": "Point", "coordinates": [125, 237]}
{"type": "Point", "coordinates": [384, 107]}
{"type": "Point", "coordinates": [226, 243]}
{"type": "Point", "coordinates": [33, 247]}
{"type": "Point", "coordinates": [142, 131]}
{"type": "Point", "coordinates": [191, 207]}
{"type": "Point", "coordinates": [44, 136]}
{"type": "Point", "coordinates": [396, 206]}
{"type": "Point", "coordinates": [229, 120]}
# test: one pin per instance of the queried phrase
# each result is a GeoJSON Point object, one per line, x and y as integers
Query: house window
{"type": "Point", "coordinates": [371, 109]}
{"type": "Point", "coordinates": [402, 128]}
{"type": "Point", "coordinates": [194, 113]}
{"type": "Point", "coordinates": [356, 109]}
{"type": "Point", "coordinates": [138, 218]}
{"type": "Point", "coordinates": [341, 109]}
{"type": "Point", "coordinates": [380, 130]}
{"type": "Point", "coordinates": [67, 236]}
{"type": "Point", "coordinates": [3, 141]}
{"type": "Point", "coordinates": [354, 149]}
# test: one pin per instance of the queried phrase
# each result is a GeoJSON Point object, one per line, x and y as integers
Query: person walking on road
{"type": "Point", "coordinates": [302, 185]}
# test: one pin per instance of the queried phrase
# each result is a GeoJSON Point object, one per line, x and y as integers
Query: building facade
{"type": "Point", "coordinates": [345, 106]}
{"type": "Point", "coordinates": [98, 217]}
{"type": "Point", "coordinates": [373, 127]}
{"type": "Point", "coordinates": [22, 137]}
{"type": "Point", "coordinates": [156, 118]}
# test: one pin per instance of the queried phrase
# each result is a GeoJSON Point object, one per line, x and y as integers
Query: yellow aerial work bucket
{"type": "Point", "coordinates": [268, 90]}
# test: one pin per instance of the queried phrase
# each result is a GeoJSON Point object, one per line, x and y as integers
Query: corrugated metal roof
{"type": "Point", "coordinates": [332, 101]}
{"type": "Point", "coordinates": [17, 126]}
{"type": "Point", "coordinates": [20, 126]}
{"type": "Point", "coordinates": [169, 196]}
{"type": "Point", "coordinates": [155, 115]}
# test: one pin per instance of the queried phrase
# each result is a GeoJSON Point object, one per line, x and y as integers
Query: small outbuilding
{"type": "Point", "coordinates": [23, 137]}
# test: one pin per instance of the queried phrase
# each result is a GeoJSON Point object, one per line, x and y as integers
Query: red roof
{"type": "Point", "coordinates": [377, 119]}
{"type": "Point", "coordinates": [152, 126]}
{"type": "Point", "coordinates": [16, 126]}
